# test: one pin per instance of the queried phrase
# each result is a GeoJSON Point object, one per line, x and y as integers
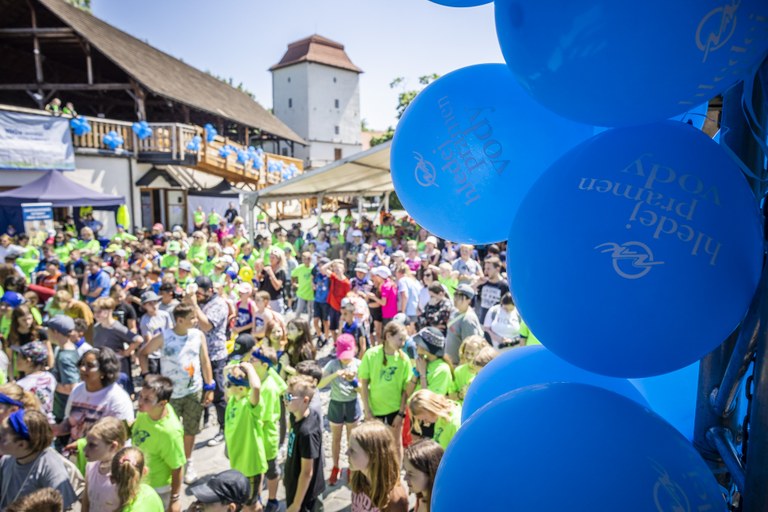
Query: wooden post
{"type": "Point", "coordinates": [139, 95]}
{"type": "Point", "coordinates": [88, 63]}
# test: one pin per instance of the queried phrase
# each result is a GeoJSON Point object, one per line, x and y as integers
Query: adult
{"type": "Point", "coordinates": [230, 213]}
{"type": "Point", "coordinates": [339, 288]}
{"type": "Point", "coordinates": [468, 268]}
{"type": "Point", "coordinates": [463, 322]}
{"type": "Point", "coordinates": [431, 252]}
{"type": "Point", "coordinates": [97, 282]}
{"type": "Point", "coordinates": [408, 290]}
{"type": "Point", "coordinates": [303, 277]}
{"type": "Point", "coordinates": [438, 309]}
{"type": "Point", "coordinates": [228, 491]}
{"type": "Point", "coordinates": [490, 288]}
{"type": "Point", "coordinates": [273, 278]}
{"type": "Point", "coordinates": [503, 323]}
{"type": "Point", "coordinates": [212, 313]}
{"type": "Point", "coordinates": [108, 332]}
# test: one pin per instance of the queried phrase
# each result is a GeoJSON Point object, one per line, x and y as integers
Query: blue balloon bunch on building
{"type": "Point", "coordinates": [210, 132]}
{"type": "Point", "coordinates": [142, 130]}
{"type": "Point", "coordinates": [113, 140]}
{"type": "Point", "coordinates": [225, 151]}
{"type": "Point", "coordinates": [194, 144]}
{"type": "Point", "coordinates": [80, 126]}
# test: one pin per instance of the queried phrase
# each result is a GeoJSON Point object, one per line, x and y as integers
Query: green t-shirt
{"type": "Point", "coordinates": [146, 500]}
{"type": "Point", "coordinates": [303, 275]}
{"type": "Point", "coordinates": [119, 237]}
{"type": "Point", "coordinates": [81, 459]}
{"type": "Point", "coordinates": [272, 388]}
{"type": "Point", "coordinates": [439, 378]}
{"type": "Point", "coordinates": [92, 246]}
{"type": "Point", "coordinates": [62, 252]}
{"type": "Point", "coordinates": [245, 437]}
{"type": "Point", "coordinates": [162, 442]}
{"type": "Point", "coordinates": [284, 246]}
{"type": "Point", "coordinates": [196, 254]}
{"type": "Point", "coordinates": [450, 284]}
{"type": "Point", "coordinates": [5, 325]}
{"type": "Point", "coordinates": [207, 267]}
{"type": "Point", "coordinates": [214, 219]}
{"type": "Point", "coordinates": [445, 430]}
{"type": "Point", "coordinates": [198, 217]}
{"type": "Point", "coordinates": [169, 260]}
{"type": "Point", "coordinates": [386, 382]}
{"type": "Point", "coordinates": [239, 242]}
{"type": "Point", "coordinates": [462, 378]}
{"type": "Point", "coordinates": [525, 332]}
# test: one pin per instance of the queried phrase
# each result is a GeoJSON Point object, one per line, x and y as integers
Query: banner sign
{"type": "Point", "coordinates": [38, 219]}
{"type": "Point", "coordinates": [33, 142]}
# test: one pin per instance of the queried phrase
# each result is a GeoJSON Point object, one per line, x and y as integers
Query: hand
{"type": "Point", "coordinates": [190, 298]}
{"type": "Point", "coordinates": [341, 373]}
{"type": "Point", "coordinates": [207, 398]}
{"type": "Point", "coordinates": [397, 423]}
{"type": "Point", "coordinates": [174, 506]}
{"type": "Point", "coordinates": [421, 365]}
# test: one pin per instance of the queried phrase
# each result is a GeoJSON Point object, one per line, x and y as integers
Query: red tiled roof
{"type": "Point", "coordinates": [317, 49]}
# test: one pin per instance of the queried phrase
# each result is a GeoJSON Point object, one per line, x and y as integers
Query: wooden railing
{"type": "Point", "coordinates": [101, 127]}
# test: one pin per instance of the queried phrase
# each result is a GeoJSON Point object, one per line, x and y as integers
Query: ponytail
{"type": "Point", "coordinates": [16, 392]}
{"type": "Point", "coordinates": [127, 470]}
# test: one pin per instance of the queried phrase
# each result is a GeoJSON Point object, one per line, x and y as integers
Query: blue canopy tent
{"type": "Point", "coordinates": [52, 187]}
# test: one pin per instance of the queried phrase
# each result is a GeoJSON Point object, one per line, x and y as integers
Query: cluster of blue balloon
{"type": "Point", "coordinates": [142, 130]}
{"type": "Point", "coordinates": [80, 126]}
{"type": "Point", "coordinates": [631, 238]}
{"type": "Point", "coordinates": [210, 132]}
{"type": "Point", "coordinates": [112, 140]}
{"type": "Point", "coordinates": [194, 144]}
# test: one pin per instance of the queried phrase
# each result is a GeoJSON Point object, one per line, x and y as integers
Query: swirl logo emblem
{"type": "Point", "coordinates": [424, 172]}
{"type": "Point", "coordinates": [668, 495]}
{"type": "Point", "coordinates": [719, 24]}
{"type": "Point", "coordinates": [631, 260]}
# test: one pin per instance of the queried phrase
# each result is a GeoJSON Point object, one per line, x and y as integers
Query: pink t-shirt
{"type": "Point", "coordinates": [102, 493]}
{"type": "Point", "coordinates": [389, 293]}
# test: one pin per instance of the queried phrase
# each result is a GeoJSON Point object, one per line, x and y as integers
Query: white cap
{"type": "Point", "coordinates": [381, 271]}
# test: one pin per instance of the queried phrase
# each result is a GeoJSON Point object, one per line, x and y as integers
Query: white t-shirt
{"type": "Point", "coordinates": [43, 385]}
{"type": "Point", "coordinates": [84, 408]}
{"type": "Point", "coordinates": [180, 361]}
{"type": "Point", "coordinates": [503, 323]}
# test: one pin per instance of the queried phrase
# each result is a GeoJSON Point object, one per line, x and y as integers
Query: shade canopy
{"type": "Point", "coordinates": [53, 187]}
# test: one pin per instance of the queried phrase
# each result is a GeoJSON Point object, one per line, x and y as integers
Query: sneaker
{"type": "Point", "coordinates": [272, 506]}
{"type": "Point", "coordinates": [334, 476]}
{"type": "Point", "coordinates": [320, 341]}
{"type": "Point", "coordinates": [217, 439]}
{"type": "Point", "coordinates": [190, 475]}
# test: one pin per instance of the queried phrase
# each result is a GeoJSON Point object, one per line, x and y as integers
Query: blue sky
{"type": "Point", "coordinates": [243, 38]}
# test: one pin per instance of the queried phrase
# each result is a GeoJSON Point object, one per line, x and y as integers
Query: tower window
{"type": "Point", "coordinates": [290, 102]}
{"type": "Point", "coordinates": [334, 79]}
{"type": "Point", "coordinates": [336, 103]}
{"type": "Point", "coordinates": [289, 79]}
{"type": "Point", "coordinates": [336, 130]}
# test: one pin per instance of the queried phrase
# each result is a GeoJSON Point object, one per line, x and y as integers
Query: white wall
{"type": "Point", "coordinates": [291, 83]}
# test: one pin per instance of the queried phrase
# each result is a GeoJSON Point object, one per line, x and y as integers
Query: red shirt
{"type": "Point", "coordinates": [339, 289]}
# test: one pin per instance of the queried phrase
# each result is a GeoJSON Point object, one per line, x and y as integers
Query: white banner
{"type": "Point", "coordinates": [33, 142]}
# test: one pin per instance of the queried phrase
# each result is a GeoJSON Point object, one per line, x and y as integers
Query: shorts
{"type": "Point", "coordinates": [388, 419]}
{"type": "Point", "coordinates": [322, 310]}
{"type": "Point", "coordinates": [344, 412]}
{"type": "Point", "coordinates": [273, 469]}
{"type": "Point", "coordinates": [334, 317]}
{"type": "Point", "coordinates": [190, 409]}
{"type": "Point", "coordinates": [305, 305]}
{"type": "Point", "coordinates": [376, 314]}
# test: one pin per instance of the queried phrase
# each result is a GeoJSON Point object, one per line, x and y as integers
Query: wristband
{"type": "Point", "coordinates": [175, 497]}
{"type": "Point", "coordinates": [416, 372]}
{"type": "Point", "coordinates": [209, 387]}
{"type": "Point", "coordinates": [354, 382]}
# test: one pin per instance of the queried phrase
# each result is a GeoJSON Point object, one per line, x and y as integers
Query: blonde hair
{"type": "Point", "coordinates": [62, 296]}
{"type": "Point", "coordinates": [127, 471]}
{"type": "Point", "coordinates": [484, 357]}
{"type": "Point", "coordinates": [426, 400]}
{"type": "Point", "coordinates": [472, 344]}
{"type": "Point", "coordinates": [276, 251]}
{"type": "Point", "coordinates": [377, 441]}
{"type": "Point", "coordinates": [107, 303]}
{"type": "Point", "coordinates": [110, 430]}
{"type": "Point", "coordinates": [302, 385]}
{"type": "Point", "coordinates": [425, 457]}
{"type": "Point", "coordinates": [393, 329]}
{"type": "Point", "coordinates": [16, 392]}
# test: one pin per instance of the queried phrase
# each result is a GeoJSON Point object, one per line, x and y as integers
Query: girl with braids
{"type": "Point", "coordinates": [127, 471]}
{"type": "Point", "coordinates": [106, 437]}
{"type": "Point", "coordinates": [374, 461]}
{"type": "Point", "coordinates": [420, 463]}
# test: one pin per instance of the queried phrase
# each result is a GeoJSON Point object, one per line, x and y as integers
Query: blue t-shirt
{"type": "Point", "coordinates": [323, 285]}
{"type": "Point", "coordinates": [99, 280]}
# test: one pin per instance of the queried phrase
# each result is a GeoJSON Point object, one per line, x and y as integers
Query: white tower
{"type": "Point", "coordinates": [316, 92]}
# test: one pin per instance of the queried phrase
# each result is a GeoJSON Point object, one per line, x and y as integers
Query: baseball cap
{"type": "Point", "coordinates": [185, 265]}
{"type": "Point", "coordinates": [357, 232]}
{"type": "Point", "coordinates": [381, 242]}
{"type": "Point", "coordinates": [362, 267]}
{"type": "Point", "coordinates": [245, 288]}
{"type": "Point", "coordinates": [466, 290]}
{"type": "Point", "coordinates": [61, 324]}
{"type": "Point", "coordinates": [347, 303]}
{"type": "Point", "coordinates": [244, 344]}
{"type": "Point", "coordinates": [120, 252]}
{"type": "Point", "coordinates": [345, 346]}
{"type": "Point", "coordinates": [178, 229]}
{"type": "Point", "coordinates": [431, 240]}
{"type": "Point", "coordinates": [381, 271]}
{"type": "Point", "coordinates": [149, 296]}
{"type": "Point", "coordinates": [174, 246]}
{"type": "Point", "coordinates": [401, 318]}
{"type": "Point", "coordinates": [398, 254]}
{"type": "Point", "coordinates": [204, 282]}
{"type": "Point", "coordinates": [229, 486]}
{"type": "Point", "coordinates": [431, 340]}
{"type": "Point", "coordinates": [35, 350]}
{"type": "Point", "coordinates": [13, 299]}
{"type": "Point", "coordinates": [228, 250]}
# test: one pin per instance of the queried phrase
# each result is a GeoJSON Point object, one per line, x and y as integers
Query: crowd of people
{"type": "Point", "coordinates": [116, 352]}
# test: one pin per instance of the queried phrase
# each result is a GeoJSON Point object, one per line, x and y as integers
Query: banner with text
{"type": "Point", "coordinates": [35, 142]}
{"type": "Point", "coordinates": [38, 220]}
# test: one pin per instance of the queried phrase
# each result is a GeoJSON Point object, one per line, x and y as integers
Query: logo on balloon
{"type": "Point", "coordinates": [631, 260]}
{"type": "Point", "coordinates": [425, 172]}
{"type": "Point", "coordinates": [668, 495]}
{"type": "Point", "coordinates": [722, 25]}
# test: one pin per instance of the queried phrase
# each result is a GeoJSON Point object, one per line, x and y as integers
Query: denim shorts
{"type": "Point", "coordinates": [344, 412]}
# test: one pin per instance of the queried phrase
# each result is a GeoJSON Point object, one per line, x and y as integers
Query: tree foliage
{"type": "Point", "coordinates": [231, 82]}
{"type": "Point", "coordinates": [85, 5]}
{"type": "Point", "coordinates": [404, 98]}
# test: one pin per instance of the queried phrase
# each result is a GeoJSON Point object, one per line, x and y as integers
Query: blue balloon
{"type": "Point", "coordinates": [210, 132]}
{"type": "Point", "coordinates": [242, 156]}
{"type": "Point", "coordinates": [225, 151]}
{"type": "Point", "coordinates": [695, 117]}
{"type": "Point", "coordinates": [572, 447]}
{"type": "Point", "coordinates": [80, 126]}
{"type": "Point", "coordinates": [647, 241]}
{"type": "Point", "coordinates": [461, 3]}
{"type": "Point", "coordinates": [467, 149]}
{"type": "Point", "coordinates": [526, 366]}
{"type": "Point", "coordinates": [610, 63]}
{"type": "Point", "coordinates": [673, 396]}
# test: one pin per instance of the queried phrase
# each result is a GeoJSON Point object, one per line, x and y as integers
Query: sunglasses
{"type": "Point", "coordinates": [289, 397]}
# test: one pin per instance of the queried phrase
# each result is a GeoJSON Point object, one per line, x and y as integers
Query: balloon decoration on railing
{"type": "Point", "coordinates": [80, 126]}
{"type": "Point", "coordinates": [142, 130]}
{"type": "Point", "coordinates": [256, 156]}
{"type": "Point", "coordinates": [275, 167]}
{"type": "Point", "coordinates": [194, 144]}
{"type": "Point", "coordinates": [610, 63]}
{"type": "Point", "coordinates": [225, 151]}
{"type": "Point", "coordinates": [210, 132]}
{"type": "Point", "coordinates": [113, 140]}
{"type": "Point", "coordinates": [242, 156]}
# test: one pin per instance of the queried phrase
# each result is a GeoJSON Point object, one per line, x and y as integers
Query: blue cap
{"type": "Point", "coordinates": [13, 299]}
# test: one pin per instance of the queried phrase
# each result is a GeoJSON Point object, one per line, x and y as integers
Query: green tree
{"type": "Point", "coordinates": [85, 5]}
{"type": "Point", "coordinates": [404, 99]}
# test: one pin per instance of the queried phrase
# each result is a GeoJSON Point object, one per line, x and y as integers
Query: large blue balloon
{"type": "Point", "coordinates": [467, 149]}
{"type": "Point", "coordinates": [673, 396]}
{"type": "Point", "coordinates": [618, 63]}
{"type": "Point", "coordinates": [525, 366]}
{"type": "Point", "coordinates": [461, 3]}
{"type": "Point", "coordinates": [645, 241]}
{"type": "Point", "coordinates": [571, 447]}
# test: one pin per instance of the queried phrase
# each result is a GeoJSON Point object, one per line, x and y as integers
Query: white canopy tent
{"type": "Point", "coordinates": [363, 174]}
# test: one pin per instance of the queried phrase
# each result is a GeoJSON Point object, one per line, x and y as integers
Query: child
{"type": "Point", "coordinates": [375, 480]}
{"type": "Point", "coordinates": [344, 408]}
{"type": "Point", "coordinates": [42, 500]}
{"type": "Point", "coordinates": [128, 470]}
{"type": "Point", "coordinates": [465, 372]}
{"type": "Point", "coordinates": [106, 437]}
{"type": "Point", "coordinates": [303, 480]}
{"type": "Point", "coordinates": [77, 336]}
{"type": "Point", "coordinates": [437, 410]}
{"type": "Point", "coordinates": [277, 339]}
{"type": "Point", "coordinates": [420, 463]}
{"type": "Point", "coordinates": [384, 374]}
{"type": "Point", "coordinates": [350, 325]}
{"type": "Point", "coordinates": [264, 361]}
{"type": "Point", "coordinates": [60, 329]}
{"type": "Point", "coordinates": [433, 369]}
{"type": "Point", "coordinates": [244, 434]}
{"type": "Point", "coordinates": [158, 433]}
{"type": "Point", "coordinates": [300, 347]}
{"type": "Point", "coordinates": [246, 308]}
{"type": "Point", "coordinates": [13, 397]}
{"type": "Point", "coordinates": [32, 361]}
{"type": "Point", "coordinates": [263, 316]}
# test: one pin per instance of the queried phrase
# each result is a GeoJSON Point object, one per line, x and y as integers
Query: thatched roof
{"type": "Point", "coordinates": [168, 76]}
{"type": "Point", "coordinates": [317, 49]}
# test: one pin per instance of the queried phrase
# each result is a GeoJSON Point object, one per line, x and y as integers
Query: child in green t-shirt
{"type": "Point", "coordinates": [264, 361]}
{"type": "Point", "coordinates": [244, 434]}
{"type": "Point", "coordinates": [157, 431]}
{"type": "Point", "coordinates": [433, 368]}
{"type": "Point", "coordinates": [464, 374]}
{"type": "Point", "coordinates": [443, 414]}
{"type": "Point", "coordinates": [127, 471]}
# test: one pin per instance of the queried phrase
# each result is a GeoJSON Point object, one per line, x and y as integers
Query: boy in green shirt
{"type": "Point", "coordinates": [158, 433]}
